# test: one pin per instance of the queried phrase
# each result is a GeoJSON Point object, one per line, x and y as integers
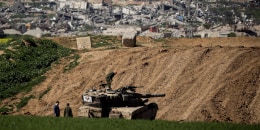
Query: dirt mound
{"type": "Point", "coordinates": [215, 79]}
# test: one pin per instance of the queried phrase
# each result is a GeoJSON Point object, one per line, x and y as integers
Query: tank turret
{"type": "Point", "coordinates": [120, 103]}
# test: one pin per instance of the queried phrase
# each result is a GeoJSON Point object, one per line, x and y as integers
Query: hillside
{"type": "Point", "coordinates": [215, 79]}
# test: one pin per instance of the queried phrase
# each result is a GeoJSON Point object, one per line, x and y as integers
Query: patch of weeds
{"type": "Point", "coordinates": [72, 64]}
{"type": "Point", "coordinates": [6, 108]}
{"type": "Point", "coordinates": [85, 50]}
{"type": "Point", "coordinates": [104, 41]}
{"type": "Point", "coordinates": [45, 92]}
{"type": "Point", "coordinates": [90, 56]}
{"type": "Point", "coordinates": [34, 82]}
{"type": "Point", "coordinates": [56, 62]}
{"type": "Point", "coordinates": [107, 37]}
{"type": "Point", "coordinates": [165, 45]}
{"type": "Point", "coordinates": [100, 44]}
{"type": "Point", "coordinates": [24, 101]}
{"type": "Point", "coordinates": [159, 40]}
{"type": "Point", "coordinates": [140, 43]}
{"type": "Point", "coordinates": [113, 47]}
{"type": "Point", "coordinates": [113, 41]}
{"type": "Point", "coordinates": [232, 34]}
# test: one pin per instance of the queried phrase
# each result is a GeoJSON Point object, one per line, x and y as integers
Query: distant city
{"type": "Point", "coordinates": [153, 18]}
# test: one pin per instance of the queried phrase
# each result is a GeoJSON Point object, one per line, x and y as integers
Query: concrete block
{"type": "Point", "coordinates": [83, 43]}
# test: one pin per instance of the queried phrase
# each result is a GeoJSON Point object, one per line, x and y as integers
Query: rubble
{"type": "Point", "coordinates": [68, 17]}
{"type": "Point", "coordinates": [35, 32]}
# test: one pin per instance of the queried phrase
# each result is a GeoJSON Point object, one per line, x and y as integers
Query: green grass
{"type": "Point", "coordinates": [105, 41]}
{"type": "Point", "coordinates": [6, 108]}
{"type": "Point", "coordinates": [4, 40]}
{"type": "Point", "coordinates": [101, 44]}
{"type": "Point", "coordinates": [24, 101]}
{"type": "Point", "coordinates": [45, 92]}
{"type": "Point", "coordinates": [72, 64]}
{"type": "Point", "coordinates": [24, 61]}
{"type": "Point", "coordinates": [61, 123]}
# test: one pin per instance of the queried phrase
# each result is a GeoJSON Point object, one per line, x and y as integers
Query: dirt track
{"type": "Point", "coordinates": [214, 79]}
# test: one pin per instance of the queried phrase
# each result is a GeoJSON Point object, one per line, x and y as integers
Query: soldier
{"type": "Point", "coordinates": [68, 111]}
{"type": "Point", "coordinates": [57, 109]}
{"type": "Point", "coordinates": [109, 78]}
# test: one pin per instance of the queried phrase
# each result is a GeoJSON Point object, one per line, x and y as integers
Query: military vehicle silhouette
{"type": "Point", "coordinates": [120, 103]}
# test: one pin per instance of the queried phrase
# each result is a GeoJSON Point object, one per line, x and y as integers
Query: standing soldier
{"type": "Point", "coordinates": [68, 111]}
{"type": "Point", "coordinates": [109, 78]}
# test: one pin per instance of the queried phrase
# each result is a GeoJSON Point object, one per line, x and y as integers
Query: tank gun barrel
{"type": "Point", "coordinates": [131, 88]}
{"type": "Point", "coordinates": [152, 95]}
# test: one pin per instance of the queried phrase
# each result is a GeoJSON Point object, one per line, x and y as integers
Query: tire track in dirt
{"type": "Point", "coordinates": [178, 65]}
{"type": "Point", "coordinates": [220, 108]}
{"type": "Point", "coordinates": [199, 87]}
{"type": "Point", "coordinates": [207, 81]}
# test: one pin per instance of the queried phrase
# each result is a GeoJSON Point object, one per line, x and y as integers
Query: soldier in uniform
{"type": "Point", "coordinates": [109, 78]}
{"type": "Point", "coordinates": [68, 111]}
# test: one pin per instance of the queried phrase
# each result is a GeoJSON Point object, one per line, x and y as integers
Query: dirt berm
{"type": "Point", "coordinates": [214, 79]}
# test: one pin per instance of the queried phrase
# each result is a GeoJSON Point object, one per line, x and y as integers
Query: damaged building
{"type": "Point", "coordinates": [158, 19]}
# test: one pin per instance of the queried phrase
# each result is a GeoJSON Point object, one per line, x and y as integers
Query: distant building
{"type": "Point", "coordinates": [101, 2]}
{"type": "Point", "coordinates": [18, 7]}
{"type": "Point", "coordinates": [154, 29]}
{"type": "Point", "coordinates": [211, 0]}
{"type": "Point", "coordinates": [72, 4]}
{"type": "Point", "coordinates": [34, 32]}
{"type": "Point", "coordinates": [36, 13]}
{"type": "Point", "coordinates": [107, 2]}
{"type": "Point", "coordinates": [11, 31]}
{"type": "Point", "coordinates": [227, 0]}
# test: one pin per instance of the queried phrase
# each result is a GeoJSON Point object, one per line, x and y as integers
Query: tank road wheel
{"type": "Point", "coordinates": [90, 115]}
{"type": "Point", "coordinates": [153, 107]}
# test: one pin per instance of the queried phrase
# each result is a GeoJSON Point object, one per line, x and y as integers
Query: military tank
{"type": "Point", "coordinates": [120, 103]}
